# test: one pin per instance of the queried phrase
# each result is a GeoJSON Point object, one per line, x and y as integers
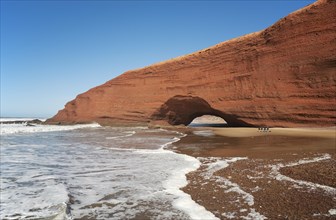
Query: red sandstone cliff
{"type": "Point", "coordinates": [284, 75]}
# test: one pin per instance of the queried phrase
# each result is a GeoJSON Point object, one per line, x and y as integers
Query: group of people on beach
{"type": "Point", "coordinates": [264, 129]}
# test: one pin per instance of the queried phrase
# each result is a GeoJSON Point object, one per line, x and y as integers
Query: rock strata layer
{"type": "Point", "coordinates": [282, 76]}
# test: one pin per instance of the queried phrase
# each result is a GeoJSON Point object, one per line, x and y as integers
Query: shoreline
{"type": "Point", "coordinates": [293, 132]}
{"type": "Point", "coordinates": [285, 173]}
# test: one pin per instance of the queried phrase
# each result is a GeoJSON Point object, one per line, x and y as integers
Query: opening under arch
{"type": "Point", "coordinates": [208, 121]}
{"type": "Point", "coordinates": [184, 109]}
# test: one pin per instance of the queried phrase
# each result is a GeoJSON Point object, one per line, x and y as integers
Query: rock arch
{"type": "Point", "coordinates": [180, 110]}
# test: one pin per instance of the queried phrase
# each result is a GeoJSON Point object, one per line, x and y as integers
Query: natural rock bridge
{"type": "Point", "coordinates": [184, 109]}
{"type": "Point", "coordinates": [281, 76]}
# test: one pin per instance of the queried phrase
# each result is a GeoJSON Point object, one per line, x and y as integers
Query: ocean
{"type": "Point", "coordinates": [89, 172]}
{"type": "Point", "coordinates": [94, 172]}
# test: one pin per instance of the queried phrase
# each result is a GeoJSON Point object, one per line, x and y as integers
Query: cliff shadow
{"type": "Point", "coordinates": [182, 110]}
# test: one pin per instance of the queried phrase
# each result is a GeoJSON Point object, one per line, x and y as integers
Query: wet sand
{"type": "Point", "coordinates": [289, 132]}
{"type": "Point", "coordinates": [263, 176]}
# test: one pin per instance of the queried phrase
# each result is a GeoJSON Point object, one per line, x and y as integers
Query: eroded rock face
{"type": "Point", "coordinates": [282, 76]}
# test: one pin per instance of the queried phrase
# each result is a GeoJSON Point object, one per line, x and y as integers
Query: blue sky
{"type": "Point", "coordinates": [52, 51]}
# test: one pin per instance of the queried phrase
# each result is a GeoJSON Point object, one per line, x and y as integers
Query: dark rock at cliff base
{"type": "Point", "coordinates": [35, 121]}
{"type": "Point", "coordinates": [281, 76]}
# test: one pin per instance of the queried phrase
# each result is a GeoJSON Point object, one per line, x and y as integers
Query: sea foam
{"type": "Point", "coordinates": [22, 128]}
{"type": "Point", "coordinates": [101, 172]}
{"type": "Point", "coordinates": [275, 172]}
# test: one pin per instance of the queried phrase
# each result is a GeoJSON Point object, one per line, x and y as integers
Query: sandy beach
{"type": "Point", "coordinates": [289, 132]}
{"type": "Point", "coordinates": [247, 174]}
